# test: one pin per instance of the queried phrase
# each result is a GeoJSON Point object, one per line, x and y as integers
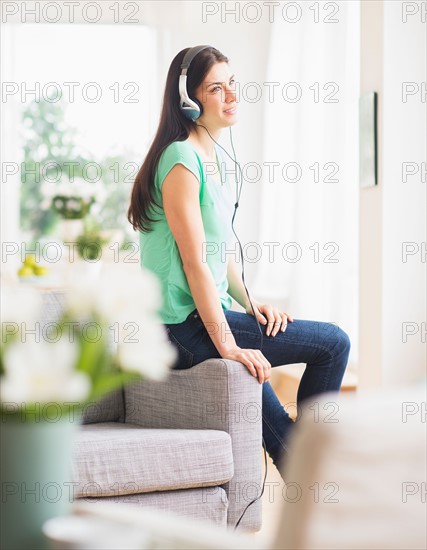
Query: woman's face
{"type": "Point", "coordinates": [217, 94]}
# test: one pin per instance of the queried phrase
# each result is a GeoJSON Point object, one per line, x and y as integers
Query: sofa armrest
{"type": "Point", "coordinates": [217, 394]}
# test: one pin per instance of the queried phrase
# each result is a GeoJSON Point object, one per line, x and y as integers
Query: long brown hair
{"type": "Point", "coordinates": [173, 126]}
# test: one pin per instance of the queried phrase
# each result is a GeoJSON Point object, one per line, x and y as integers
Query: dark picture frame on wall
{"type": "Point", "coordinates": [368, 140]}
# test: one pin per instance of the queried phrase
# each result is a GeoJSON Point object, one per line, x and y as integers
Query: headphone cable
{"type": "Point", "coordinates": [243, 279]}
{"type": "Point", "coordinates": [262, 490]}
{"type": "Point", "coordinates": [236, 205]}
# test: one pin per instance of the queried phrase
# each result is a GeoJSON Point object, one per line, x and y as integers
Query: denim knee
{"type": "Point", "coordinates": [343, 342]}
{"type": "Point", "coordinates": [335, 339]}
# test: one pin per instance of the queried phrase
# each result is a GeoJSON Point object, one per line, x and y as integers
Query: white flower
{"type": "Point", "coordinates": [20, 305]}
{"type": "Point", "coordinates": [128, 299]}
{"type": "Point", "coordinates": [120, 294]}
{"type": "Point", "coordinates": [147, 350]}
{"type": "Point", "coordinates": [72, 204]}
{"type": "Point", "coordinates": [43, 372]}
{"type": "Point", "coordinates": [79, 188]}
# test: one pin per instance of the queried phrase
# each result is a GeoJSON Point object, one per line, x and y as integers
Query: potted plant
{"type": "Point", "coordinates": [72, 200]}
{"type": "Point", "coordinates": [89, 245]}
{"type": "Point", "coordinates": [50, 373]}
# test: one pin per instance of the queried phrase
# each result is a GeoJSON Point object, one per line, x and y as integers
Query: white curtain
{"type": "Point", "coordinates": [321, 138]}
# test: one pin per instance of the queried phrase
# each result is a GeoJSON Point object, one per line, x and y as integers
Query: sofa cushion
{"type": "Point", "coordinates": [205, 503]}
{"type": "Point", "coordinates": [111, 459]}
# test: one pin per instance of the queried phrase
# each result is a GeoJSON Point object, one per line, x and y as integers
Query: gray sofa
{"type": "Point", "coordinates": [190, 444]}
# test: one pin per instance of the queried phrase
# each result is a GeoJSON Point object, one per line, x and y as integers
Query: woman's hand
{"type": "Point", "coordinates": [253, 359]}
{"type": "Point", "coordinates": [276, 320]}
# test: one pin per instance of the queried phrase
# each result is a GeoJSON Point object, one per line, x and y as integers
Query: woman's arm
{"type": "Point", "coordinates": [236, 287]}
{"type": "Point", "coordinates": [265, 313]}
{"type": "Point", "coordinates": [180, 192]}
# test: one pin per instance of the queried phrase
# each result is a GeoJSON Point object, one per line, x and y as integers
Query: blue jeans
{"type": "Point", "coordinates": [324, 347]}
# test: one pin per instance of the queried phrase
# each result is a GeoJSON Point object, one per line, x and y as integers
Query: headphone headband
{"type": "Point", "coordinates": [190, 55]}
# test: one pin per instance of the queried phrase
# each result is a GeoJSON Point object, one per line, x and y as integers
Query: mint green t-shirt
{"type": "Point", "coordinates": [158, 248]}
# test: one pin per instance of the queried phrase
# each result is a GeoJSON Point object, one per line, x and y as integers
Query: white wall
{"type": "Point", "coordinates": [392, 291]}
{"type": "Point", "coordinates": [404, 220]}
{"type": "Point", "coordinates": [370, 203]}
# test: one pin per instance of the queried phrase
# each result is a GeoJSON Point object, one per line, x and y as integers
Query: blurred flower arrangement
{"type": "Point", "coordinates": [72, 200]}
{"type": "Point", "coordinates": [102, 335]}
{"type": "Point", "coordinates": [108, 334]}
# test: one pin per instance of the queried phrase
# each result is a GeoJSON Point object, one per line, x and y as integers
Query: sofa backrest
{"type": "Point", "coordinates": [110, 408]}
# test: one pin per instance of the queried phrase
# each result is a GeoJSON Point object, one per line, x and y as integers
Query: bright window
{"type": "Point", "coordinates": [77, 102]}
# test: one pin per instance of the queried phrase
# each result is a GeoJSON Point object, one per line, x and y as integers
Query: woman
{"type": "Point", "coordinates": [183, 208]}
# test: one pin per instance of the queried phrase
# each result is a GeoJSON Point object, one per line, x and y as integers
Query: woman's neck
{"type": "Point", "coordinates": [202, 139]}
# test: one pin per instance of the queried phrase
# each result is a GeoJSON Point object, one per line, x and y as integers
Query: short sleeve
{"type": "Point", "coordinates": [177, 152]}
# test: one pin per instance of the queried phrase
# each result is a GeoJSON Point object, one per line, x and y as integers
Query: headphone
{"type": "Point", "coordinates": [190, 108]}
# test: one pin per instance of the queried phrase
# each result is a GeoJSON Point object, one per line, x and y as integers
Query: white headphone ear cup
{"type": "Point", "coordinates": [194, 111]}
{"type": "Point", "coordinates": [189, 111]}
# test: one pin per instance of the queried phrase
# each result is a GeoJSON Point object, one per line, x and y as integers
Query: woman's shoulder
{"type": "Point", "coordinates": [179, 152]}
{"type": "Point", "coordinates": [180, 149]}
